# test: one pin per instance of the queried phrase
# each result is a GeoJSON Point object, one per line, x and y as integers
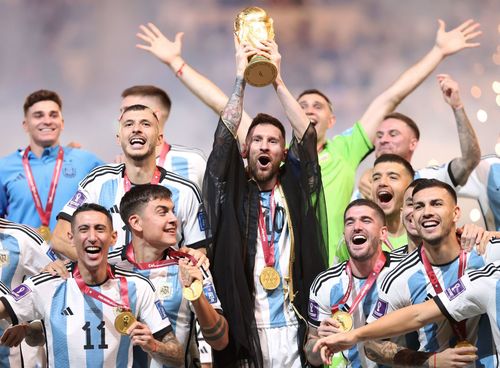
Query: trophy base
{"type": "Point", "coordinates": [260, 71]}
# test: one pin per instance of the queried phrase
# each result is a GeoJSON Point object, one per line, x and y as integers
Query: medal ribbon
{"type": "Point", "coordinates": [267, 247]}
{"type": "Point", "coordinates": [84, 288]}
{"type": "Point", "coordinates": [163, 154]}
{"type": "Point", "coordinates": [44, 214]}
{"type": "Point", "coordinates": [155, 180]}
{"type": "Point", "coordinates": [458, 328]}
{"type": "Point", "coordinates": [175, 256]}
{"type": "Point", "coordinates": [389, 245]}
{"type": "Point", "coordinates": [379, 264]}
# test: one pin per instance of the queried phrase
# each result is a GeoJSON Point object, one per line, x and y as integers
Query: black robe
{"type": "Point", "coordinates": [232, 203]}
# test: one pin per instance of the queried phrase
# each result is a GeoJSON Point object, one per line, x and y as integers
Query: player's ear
{"type": "Point", "coordinates": [244, 150]}
{"type": "Point", "coordinates": [135, 223]}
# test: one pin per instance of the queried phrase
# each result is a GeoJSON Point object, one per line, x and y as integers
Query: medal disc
{"type": "Point", "coordinates": [345, 320]}
{"type": "Point", "coordinates": [194, 291]}
{"type": "Point", "coordinates": [464, 344]}
{"type": "Point", "coordinates": [44, 232]}
{"type": "Point", "coordinates": [123, 321]}
{"type": "Point", "coordinates": [269, 278]}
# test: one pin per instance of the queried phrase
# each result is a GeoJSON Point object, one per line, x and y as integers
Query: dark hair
{"type": "Point", "coordinates": [137, 107]}
{"type": "Point", "coordinates": [92, 207]}
{"type": "Point", "coordinates": [405, 119]}
{"type": "Point", "coordinates": [434, 183]}
{"type": "Point", "coordinates": [368, 203]}
{"type": "Point", "coordinates": [414, 183]}
{"type": "Point", "coordinates": [41, 95]}
{"type": "Point", "coordinates": [390, 157]}
{"type": "Point", "coordinates": [149, 90]}
{"type": "Point", "coordinates": [139, 196]}
{"type": "Point", "coordinates": [266, 119]}
{"type": "Point", "coordinates": [313, 91]}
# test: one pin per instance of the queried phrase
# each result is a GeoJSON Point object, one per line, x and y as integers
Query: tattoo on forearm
{"type": "Point", "coordinates": [231, 115]}
{"type": "Point", "coordinates": [389, 353]}
{"type": "Point", "coordinates": [216, 332]}
{"type": "Point", "coordinates": [170, 351]}
{"type": "Point", "coordinates": [469, 147]}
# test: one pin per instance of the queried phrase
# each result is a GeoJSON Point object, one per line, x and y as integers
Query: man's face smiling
{"type": "Point", "coordinates": [318, 111]}
{"type": "Point", "coordinates": [92, 235]}
{"type": "Point", "coordinates": [44, 123]}
{"type": "Point", "coordinates": [158, 223]}
{"type": "Point", "coordinates": [396, 137]}
{"type": "Point", "coordinates": [363, 231]}
{"type": "Point", "coordinates": [435, 214]}
{"type": "Point", "coordinates": [266, 151]}
{"type": "Point", "coordinates": [139, 134]}
{"type": "Point", "coordinates": [389, 181]}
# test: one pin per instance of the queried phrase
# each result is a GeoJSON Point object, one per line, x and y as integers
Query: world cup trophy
{"type": "Point", "coordinates": [252, 25]}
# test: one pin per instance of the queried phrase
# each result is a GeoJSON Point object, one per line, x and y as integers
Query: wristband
{"type": "Point", "coordinates": [435, 360]}
{"type": "Point", "coordinates": [155, 348]}
{"type": "Point", "coordinates": [178, 73]}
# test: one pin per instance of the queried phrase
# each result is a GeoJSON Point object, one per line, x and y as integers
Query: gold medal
{"type": "Point", "coordinates": [194, 291]}
{"type": "Point", "coordinates": [464, 344]}
{"type": "Point", "coordinates": [269, 278]}
{"type": "Point", "coordinates": [44, 232]}
{"type": "Point", "coordinates": [123, 321]}
{"type": "Point", "coordinates": [345, 320]}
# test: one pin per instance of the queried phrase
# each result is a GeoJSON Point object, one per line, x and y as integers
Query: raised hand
{"type": "Point", "coordinates": [457, 39]}
{"type": "Point", "coordinates": [243, 52]}
{"type": "Point", "coordinates": [159, 45]}
{"type": "Point", "coordinates": [450, 90]}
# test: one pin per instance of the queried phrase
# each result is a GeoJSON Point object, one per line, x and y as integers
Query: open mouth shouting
{"type": "Point", "coordinates": [137, 142]}
{"type": "Point", "coordinates": [264, 161]}
{"type": "Point", "coordinates": [358, 239]}
{"type": "Point", "coordinates": [384, 196]}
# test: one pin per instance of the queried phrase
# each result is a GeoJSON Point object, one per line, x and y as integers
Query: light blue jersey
{"type": "Point", "coordinates": [16, 201]}
{"type": "Point", "coordinates": [169, 292]}
{"type": "Point", "coordinates": [23, 253]}
{"type": "Point", "coordinates": [105, 186]}
{"type": "Point", "coordinates": [329, 288]}
{"type": "Point", "coordinates": [475, 293]}
{"type": "Point", "coordinates": [409, 284]}
{"type": "Point", "coordinates": [189, 163]}
{"type": "Point", "coordinates": [79, 329]}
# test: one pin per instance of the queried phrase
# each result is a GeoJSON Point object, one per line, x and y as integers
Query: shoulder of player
{"type": "Point", "coordinates": [133, 276]}
{"type": "Point", "coordinates": [85, 157]}
{"type": "Point", "coordinates": [102, 172]}
{"type": "Point", "coordinates": [328, 277]}
{"type": "Point", "coordinates": [485, 272]}
{"type": "Point", "coordinates": [187, 151]}
{"type": "Point", "coordinates": [20, 232]}
{"type": "Point", "coordinates": [406, 265]}
{"type": "Point", "coordinates": [14, 157]}
{"type": "Point", "coordinates": [173, 179]}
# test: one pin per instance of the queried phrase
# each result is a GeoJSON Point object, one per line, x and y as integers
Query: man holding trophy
{"type": "Point", "coordinates": [268, 245]}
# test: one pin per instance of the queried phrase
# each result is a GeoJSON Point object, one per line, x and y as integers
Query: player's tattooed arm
{"type": "Point", "coordinates": [34, 334]}
{"type": "Point", "coordinates": [216, 335]}
{"type": "Point", "coordinates": [312, 357]}
{"type": "Point", "coordinates": [231, 115]}
{"type": "Point", "coordinates": [169, 351]}
{"type": "Point", "coordinates": [389, 353]}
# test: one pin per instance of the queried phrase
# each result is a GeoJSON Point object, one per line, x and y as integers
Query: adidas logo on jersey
{"type": "Point", "coordinates": [67, 312]}
{"type": "Point", "coordinates": [114, 209]}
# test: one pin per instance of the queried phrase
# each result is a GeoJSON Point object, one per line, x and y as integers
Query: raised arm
{"type": "Point", "coordinates": [461, 167]}
{"type": "Point", "coordinates": [447, 43]}
{"type": "Point", "coordinates": [169, 52]}
{"type": "Point", "coordinates": [295, 114]}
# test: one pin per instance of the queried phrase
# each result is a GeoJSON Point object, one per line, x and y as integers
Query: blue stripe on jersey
{"type": "Point", "coordinates": [94, 326]}
{"type": "Point", "coordinates": [418, 293]}
{"type": "Point", "coordinates": [107, 195]}
{"type": "Point", "coordinates": [58, 324]}
{"type": "Point", "coordinates": [10, 244]}
{"type": "Point", "coordinates": [485, 343]}
{"type": "Point", "coordinates": [180, 166]}
{"type": "Point", "coordinates": [493, 191]}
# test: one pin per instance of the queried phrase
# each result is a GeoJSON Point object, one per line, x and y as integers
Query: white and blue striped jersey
{"type": "Point", "coordinates": [409, 284]}
{"type": "Point", "coordinates": [166, 280]}
{"type": "Point", "coordinates": [79, 329]}
{"type": "Point", "coordinates": [273, 308]}
{"type": "Point", "coordinates": [475, 293]}
{"type": "Point", "coordinates": [105, 186]}
{"type": "Point", "coordinates": [329, 288]}
{"type": "Point", "coordinates": [23, 253]}
{"type": "Point", "coordinates": [484, 186]}
{"type": "Point", "coordinates": [190, 163]}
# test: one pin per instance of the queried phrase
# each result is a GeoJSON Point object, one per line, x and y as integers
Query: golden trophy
{"type": "Point", "coordinates": [253, 25]}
